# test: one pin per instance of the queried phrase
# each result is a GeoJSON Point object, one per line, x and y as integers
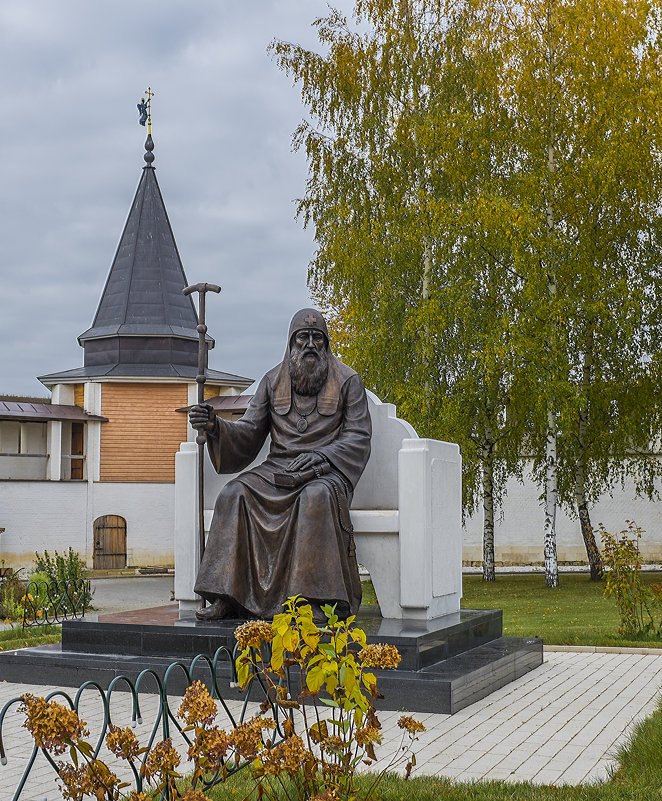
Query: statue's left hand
{"type": "Point", "coordinates": [303, 461]}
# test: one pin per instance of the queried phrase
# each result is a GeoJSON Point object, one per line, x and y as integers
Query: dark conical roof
{"type": "Point", "coordinates": [143, 292]}
{"type": "Point", "coordinates": [144, 326]}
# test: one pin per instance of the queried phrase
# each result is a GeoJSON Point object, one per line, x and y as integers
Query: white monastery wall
{"type": "Point", "coordinates": [41, 515]}
{"type": "Point", "coordinates": [149, 511]}
{"type": "Point", "coordinates": [53, 515]}
{"type": "Point", "coordinates": [518, 530]}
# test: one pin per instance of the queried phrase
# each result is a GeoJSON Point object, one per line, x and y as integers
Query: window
{"type": "Point", "coordinates": [77, 450]}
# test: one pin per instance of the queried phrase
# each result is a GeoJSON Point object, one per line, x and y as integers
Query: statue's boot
{"type": "Point", "coordinates": [217, 610]}
{"type": "Point", "coordinates": [319, 618]}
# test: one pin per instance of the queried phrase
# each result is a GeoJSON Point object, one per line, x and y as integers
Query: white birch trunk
{"type": "Point", "coordinates": [551, 466]}
{"type": "Point", "coordinates": [551, 500]}
{"type": "Point", "coordinates": [489, 573]}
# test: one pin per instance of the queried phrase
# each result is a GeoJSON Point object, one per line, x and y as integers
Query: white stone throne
{"type": "Point", "coordinates": [406, 512]}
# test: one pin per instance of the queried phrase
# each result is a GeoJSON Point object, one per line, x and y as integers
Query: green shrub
{"type": "Point", "coordinates": [639, 606]}
{"type": "Point", "coordinates": [36, 599]}
{"type": "Point", "coordinates": [68, 567]}
{"type": "Point", "coordinates": [65, 570]}
{"type": "Point", "coordinates": [12, 590]}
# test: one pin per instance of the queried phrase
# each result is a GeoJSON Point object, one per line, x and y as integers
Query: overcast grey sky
{"type": "Point", "coordinates": [71, 73]}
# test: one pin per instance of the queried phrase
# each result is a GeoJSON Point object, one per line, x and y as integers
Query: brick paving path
{"type": "Point", "coordinates": [559, 724]}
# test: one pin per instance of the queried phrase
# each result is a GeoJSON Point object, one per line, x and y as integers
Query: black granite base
{"type": "Point", "coordinates": [447, 663]}
{"type": "Point", "coordinates": [421, 642]}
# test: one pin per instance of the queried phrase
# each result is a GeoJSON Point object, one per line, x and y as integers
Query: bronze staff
{"type": "Point", "coordinates": [201, 437]}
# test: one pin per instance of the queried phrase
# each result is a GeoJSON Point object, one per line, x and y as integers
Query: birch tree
{"type": "Point", "coordinates": [484, 189]}
{"type": "Point", "coordinates": [585, 90]}
{"type": "Point", "coordinates": [405, 164]}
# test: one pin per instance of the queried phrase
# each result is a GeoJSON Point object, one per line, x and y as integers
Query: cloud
{"type": "Point", "coordinates": [71, 150]}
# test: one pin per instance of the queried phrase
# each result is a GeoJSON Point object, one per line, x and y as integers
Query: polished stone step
{"type": "Point", "coordinates": [421, 642]}
{"type": "Point", "coordinates": [446, 664]}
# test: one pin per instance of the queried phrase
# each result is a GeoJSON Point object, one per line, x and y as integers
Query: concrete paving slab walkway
{"type": "Point", "coordinates": [560, 724]}
{"type": "Point", "coordinates": [131, 592]}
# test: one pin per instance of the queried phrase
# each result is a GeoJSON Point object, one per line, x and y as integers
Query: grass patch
{"type": "Point", "coordinates": [369, 596]}
{"type": "Point", "coordinates": [575, 613]}
{"type": "Point", "coordinates": [638, 776]}
{"type": "Point", "coordinates": [16, 637]}
{"type": "Point", "coordinates": [639, 758]}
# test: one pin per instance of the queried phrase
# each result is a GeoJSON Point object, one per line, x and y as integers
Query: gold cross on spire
{"type": "Point", "coordinates": [150, 95]}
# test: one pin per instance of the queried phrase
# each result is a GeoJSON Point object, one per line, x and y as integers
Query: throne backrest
{"type": "Point", "coordinates": [378, 486]}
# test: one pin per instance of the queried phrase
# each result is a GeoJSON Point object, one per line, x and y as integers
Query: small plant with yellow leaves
{"type": "Point", "coordinates": [639, 607]}
{"type": "Point", "coordinates": [334, 706]}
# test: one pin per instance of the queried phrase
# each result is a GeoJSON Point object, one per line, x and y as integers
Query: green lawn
{"type": "Point", "coordinates": [573, 614]}
{"type": "Point", "coordinates": [638, 778]}
{"type": "Point", "coordinates": [16, 637]}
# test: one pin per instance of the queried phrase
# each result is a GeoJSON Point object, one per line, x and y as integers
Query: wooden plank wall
{"type": "Point", "coordinates": [143, 432]}
{"type": "Point", "coordinates": [79, 395]}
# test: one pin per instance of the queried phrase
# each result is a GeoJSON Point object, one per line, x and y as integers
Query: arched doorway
{"type": "Point", "coordinates": [109, 543]}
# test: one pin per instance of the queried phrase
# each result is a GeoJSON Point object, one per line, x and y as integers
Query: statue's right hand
{"type": "Point", "coordinates": [202, 417]}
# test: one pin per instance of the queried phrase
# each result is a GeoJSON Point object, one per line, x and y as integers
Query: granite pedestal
{"type": "Point", "coordinates": [447, 663]}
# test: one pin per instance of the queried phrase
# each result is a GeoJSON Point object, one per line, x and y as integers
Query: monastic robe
{"type": "Point", "coordinates": [267, 543]}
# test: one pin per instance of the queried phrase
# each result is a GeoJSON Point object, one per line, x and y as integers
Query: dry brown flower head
{"type": "Point", "coordinates": [210, 745]}
{"type": "Point", "coordinates": [409, 724]}
{"type": "Point", "coordinates": [247, 737]}
{"type": "Point", "coordinates": [253, 633]}
{"type": "Point", "coordinates": [380, 655]}
{"type": "Point", "coordinates": [197, 707]}
{"type": "Point", "coordinates": [289, 757]}
{"type": "Point", "coordinates": [122, 742]}
{"type": "Point", "coordinates": [368, 735]}
{"type": "Point", "coordinates": [194, 795]}
{"type": "Point", "coordinates": [327, 795]}
{"type": "Point", "coordinates": [52, 725]}
{"type": "Point", "coordinates": [94, 779]}
{"type": "Point", "coordinates": [161, 760]}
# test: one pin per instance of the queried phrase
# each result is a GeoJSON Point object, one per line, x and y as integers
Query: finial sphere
{"type": "Point", "coordinates": [149, 146]}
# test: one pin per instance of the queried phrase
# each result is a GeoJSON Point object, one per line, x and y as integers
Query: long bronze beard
{"type": "Point", "coordinates": [308, 379]}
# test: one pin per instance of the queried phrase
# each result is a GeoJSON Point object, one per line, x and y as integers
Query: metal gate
{"type": "Point", "coordinates": [109, 543]}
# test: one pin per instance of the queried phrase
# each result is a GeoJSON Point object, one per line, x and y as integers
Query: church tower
{"type": "Point", "coordinates": [139, 368]}
{"type": "Point", "coordinates": [144, 325]}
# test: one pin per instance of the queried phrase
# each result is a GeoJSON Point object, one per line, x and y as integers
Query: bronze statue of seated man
{"type": "Point", "coordinates": [283, 528]}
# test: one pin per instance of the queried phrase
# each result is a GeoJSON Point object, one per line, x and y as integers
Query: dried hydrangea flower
{"type": "Point", "coordinates": [367, 735]}
{"type": "Point", "coordinates": [197, 707]}
{"type": "Point", "coordinates": [287, 757]}
{"type": "Point", "coordinates": [409, 724]}
{"type": "Point", "coordinates": [210, 745]}
{"type": "Point", "coordinates": [247, 737]}
{"type": "Point", "coordinates": [194, 795]}
{"type": "Point", "coordinates": [380, 655]}
{"type": "Point", "coordinates": [94, 779]}
{"type": "Point", "coordinates": [161, 760]}
{"type": "Point", "coordinates": [52, 725]}
{"type": "Point", "coordinates": [122, 742]}
{"type": "Point", "coordinates": [253, 633]}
